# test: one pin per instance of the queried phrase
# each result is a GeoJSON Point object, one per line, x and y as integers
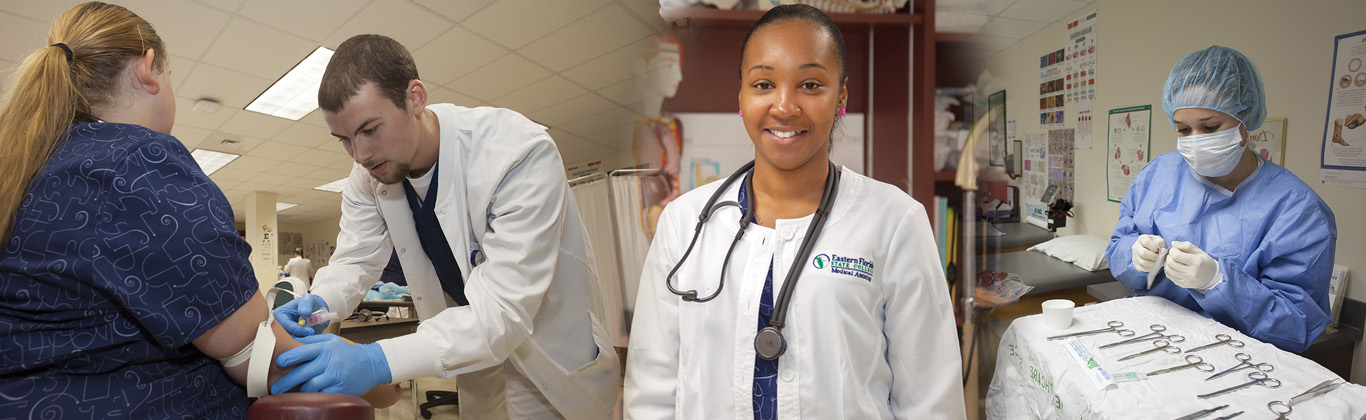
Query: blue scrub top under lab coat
{"type": "Point", "coordinates": [123, 252]}
{"type": "Point", "coordinates": [1273, 238]}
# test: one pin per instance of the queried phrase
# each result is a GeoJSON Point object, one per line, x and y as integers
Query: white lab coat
{"type": "Point", "coordinates": [298, 267]}
{"type": "Point", "coordinates": [505, 208]}
{"type": "Point", "coordinates": [878, 348]}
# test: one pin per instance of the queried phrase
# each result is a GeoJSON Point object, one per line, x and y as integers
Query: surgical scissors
{"type": "Point", "coordinates": [1245, 363]}
{"type": "Point", "coordinates": [1113, 327]}
{"type": "Point", "coordinates": [1317, 390]}
{"type": "Point", "coordinates": [1255, 378]}
{"type": "Point", "coordinates": [1155, 335]}
{"type": "Point", "coordinates": [1222, 340]}
{"type": "Point", "coordinates": [1158, 345]}
{"type": "Point", "coordinates": [1192, 360]}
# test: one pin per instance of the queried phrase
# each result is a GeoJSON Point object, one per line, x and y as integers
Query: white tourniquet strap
{"type": "Point", "coordinates": [262, 350]}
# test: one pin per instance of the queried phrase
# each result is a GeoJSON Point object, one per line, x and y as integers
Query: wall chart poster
{"type": "Point", "coordinates": [1081, 58]}
{"type": "Point", "coordinates": [1051, 87]}
{"type": "Point", "coordinates": [1343, 158]}
{"type": "Point", "coordinates": [1061, 150]}
{"type": "Point", "coordinates": [1129, 146]}
{"type": "Point", "coordinates": [1035, 166]}
{"type": "Point", "coordinates": [1269, 140]}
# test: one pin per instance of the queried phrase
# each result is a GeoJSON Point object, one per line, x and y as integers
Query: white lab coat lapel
{"type": "Point", "coordinates": [452, 209]}
{"type": "Point", "coordinates": [420, 273]}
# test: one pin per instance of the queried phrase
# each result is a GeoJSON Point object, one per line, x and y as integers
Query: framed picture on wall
{"type": "Point", "coordinates": [1269, 140]}
{"type": "Point", "coordinates": [996, 127]}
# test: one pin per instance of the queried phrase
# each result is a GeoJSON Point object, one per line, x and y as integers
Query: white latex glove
{"type": "Point", "coordinates": [1190, 267]}
{"type": "Point", "coordinates": [1145, 251]}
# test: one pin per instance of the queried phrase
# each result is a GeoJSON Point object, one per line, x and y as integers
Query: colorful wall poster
{"type": "Point", "coordinates": [1130, 140]}
{"type": "Point", "coordinates": [1061, 150]}
{"type": "Point", "coordinates": [1051, 87]}
{"type": "Point", "coordinates": [1343, 158]}
{"type": "Point", "coordinates": [1035, 166]}
{"type": "Point", "coordinates": [1080, 70]}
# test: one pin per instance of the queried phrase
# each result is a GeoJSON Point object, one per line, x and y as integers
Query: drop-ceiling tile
{"type": "Point", "coordinates": [180, 70]}
{"type": "Point", "coordinates": [230, 174]}
{"type": "Point", "coordinates": [228, 87]}
{"type": "Point", "coordinates": [311, 19]}
{"type": "Point", "coordinates": [603, 31]}
{"type": "Point", "coordinates": [186, 115]}
{"type": "Point", "coordinates": [189, 136]}
{"type": "Point", "coordinates": [601, 121]}
{"type": "Point", "coordinates": [240, 49]}
{"type": "Point", "coordinates": [305, 135]}
{"type": "Point", "coordinates": [446, 96]}
{"type": "Point", "coordinates": [454, 10]}
{"type": "Point", "coordinates": [453, 54]}
{"type": "Point", "coordinates": [406, 23]}
{"type": "Point", "coordinates": [648, 12]}
{"type": "Point", "coordinates": [539, 95]}
{"type": "Point", "coordinates": [624, 63]}
{"type": "Point", "coordinates": [255, 124]}
{"type": "Point", "coordinates": [628, 91]}
{"type": "Point", "coordinates": [499, 77]}
{"type": "Point", "coordinates": [230, 143]}
{"type": "Point", "coordinates": [1045, 11]}
{"type": "Point", "coordinates": [254, 164]}
{"type": "Point", "coordinates": [1011, 28]}
{"type": "Point", "coordinates": [516, 23]}
{"type": "Point", "coordinates": [572, 110]}
{"type": "Point", "coordinates": [22, 36]}
{"type": "Point", "coordinates": [188, 28]}
{"type": "Point", "coordinates": [278, 150]}
{"type": "Point", "coordinates": [322, 158]}
{"type": "Point", "coordinates": [228, 5]}
{"type": "Point", "coordinates": [43, 11]}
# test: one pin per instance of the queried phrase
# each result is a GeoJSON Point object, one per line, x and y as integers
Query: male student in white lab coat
{"type": "Point", "coordinates": [299, 267]}
{"type": "Point", "coordinates": [476, 203]}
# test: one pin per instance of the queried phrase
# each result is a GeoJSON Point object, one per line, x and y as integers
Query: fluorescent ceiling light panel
{"type": "Point", "coordinates": [296, 94]}
{"type": "Point", "coordinates": [211, 161]}
{"type": "Point", "coordinates": [334, 186]}
{"type": "Point", "coordinates": [279, 207]}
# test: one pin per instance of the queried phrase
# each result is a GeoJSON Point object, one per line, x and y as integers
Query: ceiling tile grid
{"type": "Point", "coordinates": [563, 63]}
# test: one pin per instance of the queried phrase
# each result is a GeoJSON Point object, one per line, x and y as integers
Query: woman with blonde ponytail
{"type": "Point", "coordinates": [121, 273]}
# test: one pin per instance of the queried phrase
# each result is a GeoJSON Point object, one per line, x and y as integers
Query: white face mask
{"type": "Point", "coordinates": [1213, 154]}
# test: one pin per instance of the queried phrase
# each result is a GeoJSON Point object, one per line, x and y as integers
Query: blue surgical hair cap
{"type": "Point", "coordinates": [1217, 78]}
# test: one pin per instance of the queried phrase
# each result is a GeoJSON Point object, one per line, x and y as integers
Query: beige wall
{"type": "Point", "coordinates": [1138, 42]}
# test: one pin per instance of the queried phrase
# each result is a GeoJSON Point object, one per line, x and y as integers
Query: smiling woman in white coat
{"type": "Point", "coordinates": [826, 300]}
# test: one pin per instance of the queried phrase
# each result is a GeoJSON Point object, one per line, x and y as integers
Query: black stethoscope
{"type": "Point", "coordinates": [769, 343]}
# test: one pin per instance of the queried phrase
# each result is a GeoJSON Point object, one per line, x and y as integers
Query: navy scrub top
{"type": "Point", "coordinates": [122, 253]}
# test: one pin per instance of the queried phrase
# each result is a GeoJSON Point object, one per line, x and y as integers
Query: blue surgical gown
{"type": "Point", "coordinates": [123, 251]}
{"type": "Point", "coordinates": [1272, 237]}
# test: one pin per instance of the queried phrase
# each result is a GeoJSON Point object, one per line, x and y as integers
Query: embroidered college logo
{"type": "Point", "coordinates": [850, 266]}
{"type": "Point", "coordinates": [820, 261]}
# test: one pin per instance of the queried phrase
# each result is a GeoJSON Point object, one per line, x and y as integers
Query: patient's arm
{"type": "Point", "coordinates": [238, 329]}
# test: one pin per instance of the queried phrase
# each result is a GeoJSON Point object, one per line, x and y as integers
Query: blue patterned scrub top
{"type": "Point", "coordinates": [123, 252]}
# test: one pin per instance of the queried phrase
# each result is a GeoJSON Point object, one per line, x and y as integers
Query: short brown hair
{"type": "Point", "coordinates": [364, 59]}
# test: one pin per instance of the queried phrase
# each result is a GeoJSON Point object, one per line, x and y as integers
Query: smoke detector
{"type": "Point", "coordinates": [207, 106]}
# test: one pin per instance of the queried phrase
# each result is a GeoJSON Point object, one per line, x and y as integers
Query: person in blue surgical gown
{"type": "Point", "coordinates": [1247, 242]}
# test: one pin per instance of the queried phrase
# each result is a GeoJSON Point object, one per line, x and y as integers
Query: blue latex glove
{"type": "Point", "coordinates": [333, 365]}
{"type": "Point", "coordinates": [288, 315]}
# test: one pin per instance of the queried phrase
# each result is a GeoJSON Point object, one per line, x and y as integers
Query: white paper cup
{"type": "Point", "coordinates": [1057, 314]}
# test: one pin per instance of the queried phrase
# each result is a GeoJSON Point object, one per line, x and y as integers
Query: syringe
{"type": "Point", "coordinates": [317, 318]}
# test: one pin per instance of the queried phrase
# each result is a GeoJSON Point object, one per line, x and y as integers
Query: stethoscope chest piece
{"type": "Point", "coordinates": [770, 343]}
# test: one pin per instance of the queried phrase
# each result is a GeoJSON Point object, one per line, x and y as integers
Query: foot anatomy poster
{"type": "Point", "coordinates": [1344, 139]}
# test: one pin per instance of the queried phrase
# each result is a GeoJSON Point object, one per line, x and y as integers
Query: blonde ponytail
{"type": "Point", "coordinates": [58, 84]}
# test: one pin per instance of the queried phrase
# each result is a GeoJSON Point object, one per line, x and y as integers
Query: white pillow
{"type": "Point", "coordinates": [1085, 251]}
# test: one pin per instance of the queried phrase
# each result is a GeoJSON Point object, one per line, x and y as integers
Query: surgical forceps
{"type": "Point", "coordinates": [1317, 390]}
{"type": "Point", "coordinates": [1222, 340]}
{"type": "Point", "coordinates": [1245, 363]}
{"type": "Point", "coordinates": [1255, 378]}
{"type": "Point", "coordinates": [1158, 345]}
{"type": "Point", "coordinates": [1113, 327]}
{"type": "Point", "coordinates": [1192, 360]}
{"type": "Point", "coordinates": [1156, 334]}
{"type": "Point", "coordinates": [1228, 416]}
